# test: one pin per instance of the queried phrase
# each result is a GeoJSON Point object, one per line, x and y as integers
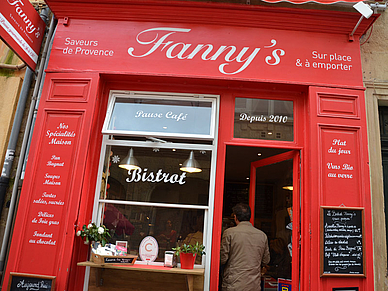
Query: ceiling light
{"type": "Point", "coordinates": [129, 162]}
{"type": "Point", "coordinates": [191, 165]}
{"type": "Point", "coordinates": [290, 187]}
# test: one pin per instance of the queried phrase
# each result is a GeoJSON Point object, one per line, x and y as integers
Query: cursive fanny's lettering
{"type": "Point", "coordinates": [30, 27]}
{"type": "Point", "coordinates": [207, 52]}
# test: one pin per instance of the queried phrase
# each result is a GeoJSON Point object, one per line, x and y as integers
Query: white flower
{"type": "Point", "coordinates": [78, 233]}
{"type": "Point", "coordinates": [101, 230]}
{"type": "Point", "coordinates": [90, 226]}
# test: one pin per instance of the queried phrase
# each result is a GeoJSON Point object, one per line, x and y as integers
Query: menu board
{"type": "Point", "coordinates": [24, 282]}
{"type": "Point", "coordinates": [342, 241]}
{"type": "Point", "coordinates": [51, 190]}
{"type": "Point", "coordinates": [340, 164]}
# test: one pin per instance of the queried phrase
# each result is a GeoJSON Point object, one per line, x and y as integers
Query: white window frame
{"type": "Point", "coordinates": [154, 95]}
{"type": "Point", "coordinates": [107, 141]}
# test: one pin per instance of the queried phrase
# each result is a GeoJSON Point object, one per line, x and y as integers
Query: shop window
{"type": "Point", "coordinates": [158, 178]}
{"type": "Point", "coordinates": [160, 194]}
{"type": "Point", "coordinates": [262, 118]}
{"type": "Point", "coordinates": [169, 226]}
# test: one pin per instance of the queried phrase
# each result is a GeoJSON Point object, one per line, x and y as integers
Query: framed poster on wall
{"type": "Point", "coordinates": [342, 241]}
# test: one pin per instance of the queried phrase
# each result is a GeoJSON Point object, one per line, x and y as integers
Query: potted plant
{"type": "Point", "coordinates": [188, 253]}
{"type": "Point", "coordinates": [94, 233]}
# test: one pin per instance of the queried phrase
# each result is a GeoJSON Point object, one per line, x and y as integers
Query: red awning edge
{"type": "Point", "coordinates": [326, 2]}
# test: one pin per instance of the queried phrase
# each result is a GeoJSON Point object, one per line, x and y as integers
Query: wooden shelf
{"type": "Point", "coordinates": [189, 273]}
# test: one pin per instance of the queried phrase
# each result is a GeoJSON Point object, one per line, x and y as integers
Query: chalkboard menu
{"type": "Point", "coordinates": [24, 282]}
{"type": "Point", "coordinates": [342, 241]}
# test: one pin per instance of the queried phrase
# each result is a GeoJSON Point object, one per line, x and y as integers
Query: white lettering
{"type": "Point", "coordinates": [180, 50]}
{"type": "Point", "coordinates": [143, 114]}
{"type": "Point", "coordinates": [275, 54]}
{"type": "Point", "coordinates": [44, 234]}
{"type": "Point", "coordinates": [158, 43]}
{"type": "Point", "coordinates": [45, 214]}
{"type": "Point", "coordinates": [246, 61]}
{"type": "Point", "coordinates": [144, 176]}
{"type": "Point", "coordinates": [339, 142]}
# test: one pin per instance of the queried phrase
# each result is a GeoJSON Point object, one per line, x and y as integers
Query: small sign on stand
{"type": "Point", "coordinates": [148, 249]}
{"type": "Point", "coordinates": [169, 259]}
{"type": "Point", "coordinates": [101, 260]}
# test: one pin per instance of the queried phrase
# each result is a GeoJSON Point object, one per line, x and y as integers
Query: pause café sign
{"type": "Point", "coordinates": [342, 236]}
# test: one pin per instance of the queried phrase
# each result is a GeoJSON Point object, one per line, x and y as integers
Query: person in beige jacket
{"type": "Point", "coordinates": [244, 250]}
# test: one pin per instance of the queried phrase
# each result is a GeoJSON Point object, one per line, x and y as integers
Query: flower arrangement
{"type": "Point", "coordinates": [197, 249]}
{"type": "Point", "coordinates": [92, 232]}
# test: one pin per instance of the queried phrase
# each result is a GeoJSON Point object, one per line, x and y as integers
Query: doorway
{"type": "Point", "coordinates": [264, 179]}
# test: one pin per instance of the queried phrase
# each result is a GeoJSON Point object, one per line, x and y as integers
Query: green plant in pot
{"type": "Point", "coordinates": [188, 253]}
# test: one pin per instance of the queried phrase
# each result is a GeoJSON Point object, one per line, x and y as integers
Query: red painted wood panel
{"type": "Point", "coordinates": [338, 106]}
{"type": "Point", "coordinates": [225, 137]}
{"type": "Point", "coordinates": [339, 176]}
{"type": "Point", "coordinates": [208, 52]}
{"type": "Point", "coordinates": [43, 238]}
{"type": "Point", "coordinates": [85, 115]}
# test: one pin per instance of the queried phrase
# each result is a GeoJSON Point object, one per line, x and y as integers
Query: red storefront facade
{"type": "Point", "coordinates": [224, 54]}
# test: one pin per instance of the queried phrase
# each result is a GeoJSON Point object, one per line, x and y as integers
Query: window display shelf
{"type": "Point", "coordinates": [189, 273]}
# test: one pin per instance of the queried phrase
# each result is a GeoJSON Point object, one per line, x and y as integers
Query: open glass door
{"type": "Point", "coordinates": [274, 200]}
{"type": "Point", "coordinates": [259, 177]}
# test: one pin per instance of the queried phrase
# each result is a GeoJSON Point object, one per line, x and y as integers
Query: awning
{"type": "Point", "coordinates": [346, 2]}
{"type": "Point", "coordinates": [272, 15]}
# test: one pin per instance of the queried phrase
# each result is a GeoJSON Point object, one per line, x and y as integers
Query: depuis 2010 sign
{"type": "Point", "coordinates": [22, 29]}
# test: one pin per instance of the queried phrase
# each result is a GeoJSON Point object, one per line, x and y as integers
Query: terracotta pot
{"type": "Point", "coordinates": [187, 260]}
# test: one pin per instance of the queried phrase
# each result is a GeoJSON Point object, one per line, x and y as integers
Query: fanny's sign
{"type": "Point", "coordinates": [225, 54]}
{"type": "Point", "coordinates": [207, 52]}
{"type": "Point", "coordinates": [22, 29]}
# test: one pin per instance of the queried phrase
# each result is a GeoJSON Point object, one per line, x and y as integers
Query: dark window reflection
{"type": "Point", "coordinates": [170, 226]}
{"type": "Point", "coordinates": [264, 119]}
{"type": "Point", "coordinates": [159, 178]}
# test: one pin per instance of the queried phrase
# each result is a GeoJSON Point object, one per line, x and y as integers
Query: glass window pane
{"type": "Point", "coordinates": [264, 119]}
{"type": "Point", "coordinates": [158, 179]}
{"type": "Point", "coordinates": [273, 212]}
{"type": "Point", "coordinates": [163, 116]}
{"type": "Point", "coordinates": [170, 226]}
